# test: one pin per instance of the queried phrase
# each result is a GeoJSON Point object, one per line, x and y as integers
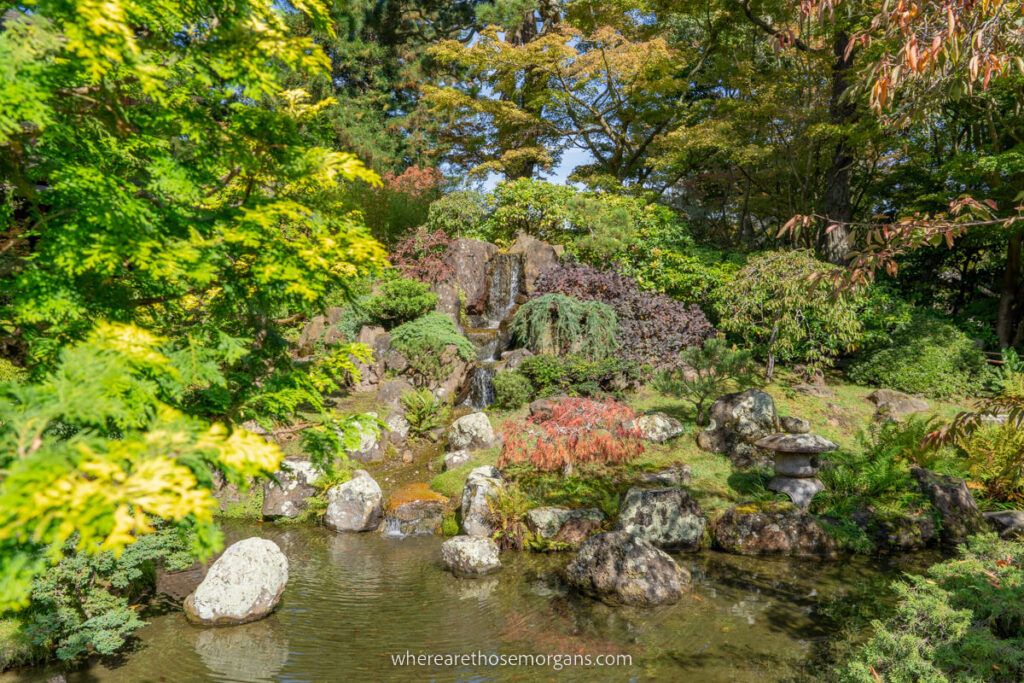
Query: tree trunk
{"type": "Point", "coordinates": [837, 205]}
{"type": "Point", "coordinates": [1009, 299]}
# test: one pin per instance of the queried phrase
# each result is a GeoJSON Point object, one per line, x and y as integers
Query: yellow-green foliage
{"type": "Point", "coordinates": [94, 454]}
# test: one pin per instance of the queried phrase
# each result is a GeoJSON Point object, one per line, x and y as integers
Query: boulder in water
{"type": "Point", "coordinates": [354, 505]}
{"type": "Point", "coordinates": [286, 498]}
{"type": "Point", "coordinates": [244, 584]}
{"type": "Point", "coordinates": [664, 517]}
{"type": "Point", "coordinates": [621, 569]}
{"type": "Point", "coordinates": [772, 530]}
{"type": "Point", "coordinates": [414, 510]}
{"type": "Point", "coordinates": [466, 556]}
{"type": "Point", "coordinates": [566, 525]}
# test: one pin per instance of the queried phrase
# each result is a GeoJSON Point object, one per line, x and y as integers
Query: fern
{"type": "Point", "coordinates": [559, 325]}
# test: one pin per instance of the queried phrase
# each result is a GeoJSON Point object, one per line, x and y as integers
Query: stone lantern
{"type": "Point", "coordinates": [796, 464]}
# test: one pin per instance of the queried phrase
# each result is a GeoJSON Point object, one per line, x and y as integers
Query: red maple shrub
{"type": "Point", "coordinates": [421, 256]}
{"type": "Point", "coordinates": [572, 431]}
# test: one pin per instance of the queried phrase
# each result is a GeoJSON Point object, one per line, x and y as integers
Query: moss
{"type": "Point", "coordinates": [450, 525]}
{"type": "Point", "coordinates": [414, 492]}
{"type": "Point", "coordinates": [452, 482]}
{"type": "Point", "coordinates": [16, 649]}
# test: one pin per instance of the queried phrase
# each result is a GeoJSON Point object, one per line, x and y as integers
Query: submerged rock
{"type": "Point", "coordinates": [244, 584]}
{"type": "Point", "coordinates": [955, 504]}
{"type": "Point", "coordinates": [665, 517]}
{"type": "Point", "coordinates": [772, 530]}
{"type": "Point", "coordinates": [619, 568]}
{"type": "Point", "coordinates": [288, 496]}
{"type": "Point", "coordinates": [737, 422]}
{"type": "Point", "coordinates": [482, 484]}
{"type": "Point", "coordinates": [467, 556]}
{"type": "Point", "coordinates": [658, 427]}
{"type": "Point", "coordinates": [470, 432]}
{"type": "Point", "coordinates": [354, 505]}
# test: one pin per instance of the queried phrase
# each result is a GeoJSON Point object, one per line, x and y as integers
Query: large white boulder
{"type": "Point", "coordinates": [355, 505]}
{"type": "Point", "coordinates": [244, 584]}
{"type": "Point", "coordinates": [469, 432]}
{"type": "Point", "coordinates": [467, 556]}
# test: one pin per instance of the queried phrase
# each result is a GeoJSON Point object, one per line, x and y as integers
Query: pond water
{"type": "Point", "coordinates": [354, 600]}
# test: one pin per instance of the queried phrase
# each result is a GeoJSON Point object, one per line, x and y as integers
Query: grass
{"type": "Point", "coordinates": [15, 647]}
{"type": "Point", "coordinates": [452, 482]}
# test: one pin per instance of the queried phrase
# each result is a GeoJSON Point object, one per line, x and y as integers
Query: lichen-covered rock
{"type": "Point", "coordinates": [658, 427]}
{"type": "Point", "coordinates": [737, 422]}
{"type": "Point", "coordinates": [467, 556]}
{"type": "Point", "coordinates": [566, 525]}
{"type": "Point", "coordinates": [287, 496]}
{"type": "Point", "coordinates": [369, 449]}
{"type": "Point", "coordinates": [355, 505]}
{"type": "Point", "coordinates": [470, 432]}
{"type": "Point", "coordinates": [456, 459]}
{"type": "Point", "coordinates": [468, 259]}
{"type": "Point", "coordinates": [675, 475]}
{"type": "Point", "coordinates": [772, 530]}
{"type": "Point", "coordinates": [391, 391]}
{"type": "Point", "coordinates": [955, 504]}
{"type": "Point", "coordinates": [397, 428]}
{"type": "Point", "coordinates": [244, 584]}
{"type": "Point", "coordinates": [665, 517]}
{"type": "Point", "coordinates": [794, 425]}
{"type": "Point", "coordinates": [621, 569]}
{"type": "Point", "coordinates": [482, 485]}
{"type": "Point", "coordinates": [895, 405]}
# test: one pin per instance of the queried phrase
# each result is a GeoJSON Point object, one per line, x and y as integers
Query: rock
{"type": "Point", "coordinates": [1009, 524]}
{"type": "Point", "coordinates": [397, 428]}
{"type": "Point", "coordinates": [354, 505]}
{"type": "Point", "coordinates": [295, 485]}
{"type": "Point", "coordinates": [666, 518]}
{"type": "Point", "coordinates": [455, 459]}
{"type": "Point", "coordinates": [541, 409]}
{"type": "Point", "coordinates": [244, 584]}
{"type": "Point", "coordinates": [468, 259]}
{"type": "Point", "coordinates": [794, 425]}
{"type": "Point", "coordinates": [482, 484]}
{"type": "Point", "coordinates": [897, 532]}
{"type": "Point", "coordinates": [772, 530]}
{"type": "Point", "coordinates": [379, 341]}
{"type": "Point", "coordinates": [370, 449]}
{"type": "Point", "coordinates": [390, 392]}
{"type": "Point", "coordinates": [414, 510]}
{"type": "Point", "coordinates": [538, 258]}
{"type": "Point", "coordinates": [470, 432]}
{"type": "Point", "coordinates": [458, 372]}
{"type": "Point", "coordinates": [321, 329]}
{"type": "Point", "coordinates": [796, 443]}
{"type": "Point", "coordinates": [957, 509]}
{"type": "Point", "coordinates": [815, 390]}
{"type": "Point", "coordinates": [449, 301]}
{"type": "Point", "coordinates": [895, 405]}
{"type": "Point", "coordinates": [466, 556]}
{"type": "Point", "coordinates": [800, 490]}
{"type": "Point", "coordinates": [804, 465]}
{"type": "Point", "coordinates": [658, 427]}
{"type": "Point", "coordinates": [621, 569]}
{"type": "Point", "coordinates": [407, 456]}
{"type": "Point", "coordinates": [514, 358]}
{"type": "Point", "coordinates": [676, 475]}
{"type": "Point", "coordinates": [737, 422]}
{"type": "Point", "coordinates": [564, 524]}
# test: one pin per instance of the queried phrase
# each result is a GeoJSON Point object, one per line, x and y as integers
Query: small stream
{"type": "Point", "coordinates": [355, 599]}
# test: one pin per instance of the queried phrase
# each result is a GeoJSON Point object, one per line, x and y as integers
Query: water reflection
{"type": "Point", "coordinates": [253, 653]}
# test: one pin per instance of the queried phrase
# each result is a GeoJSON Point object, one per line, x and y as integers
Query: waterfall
{"type": "Point", "coordinates": [393, 528]}
{"type": "Point", "coordinates": [481, 386]}
{"type": "Point", "coordinates": [504, 278]}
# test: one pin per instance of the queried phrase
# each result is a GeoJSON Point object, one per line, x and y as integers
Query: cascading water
{"type": "Point", "coordinates": [504, 285]}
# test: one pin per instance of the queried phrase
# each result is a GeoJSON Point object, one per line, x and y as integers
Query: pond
{"type": "Point", "coordinates": [353, 601]}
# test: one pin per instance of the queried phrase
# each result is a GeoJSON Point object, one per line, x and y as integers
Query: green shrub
{"type": "Point", "coordinates": [507, 514]}
{"type": "Point", "coordinates": [424, 412]}
{"type": "Point", "coordinates": [964, 621]}
{"type": "Point", "coordinates": [463, 213]}
{"type": "Point", "coordinates": [783, 306]}
{"type": "Point", "coordinates": [559, 325]}
{"type": "Point", "coordinates": [423, 340]}
{"type": "Point", "coordinates": [993, 455]}
{"type": "Point", "coordinates": [579, 376]}
{"type": "Point", "coordinates": [705, 373]}
{"type": "Point", "coordinates": [928, 357]}
{"type": "Point", "coordinates": [399, 301]}
{"type": "Point", "coordinates": [16, 648]}
{"type": "Point", "coordinates": [511, 390]}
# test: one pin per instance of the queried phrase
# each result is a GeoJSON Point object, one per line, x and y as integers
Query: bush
{"type": "Point", "coordinates": [424, 412]}
{"type": "Point", "coordinates": [707, 372]}
{"type": "Point", "coordinates": [399, 301]}
{"type": "Point", "coordinates": [993, 455]}
{"type": "Point", "coordinates": [928, 356]}
{"type": "Point", "coordinates": [463, 213]}
{"type": "Point", "coordinates": [964, 621]}
{"type": "Point", "coordinates": [559, 325]}
{"type": "Point", "coordinates": [511, 390]}
{"type": "Point", "coordinates": [574, 432]}
{"type": "Point", "coordinates": [579, 376]}
{"type": "Point", "coordinates": [423, 340]}
{"type": "Point", "coordinates": [783, 306]}
{"type": "Point", "coordinates": [653, 328]}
